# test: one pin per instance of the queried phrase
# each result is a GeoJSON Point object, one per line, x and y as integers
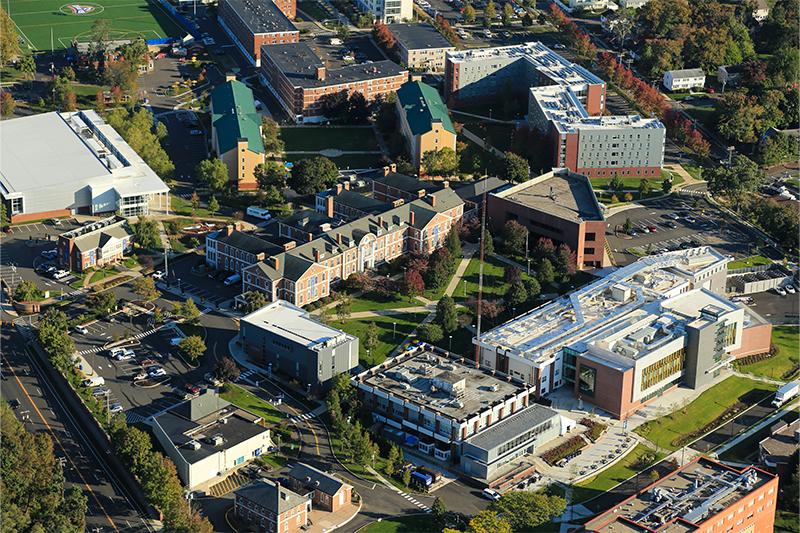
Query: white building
{"type": "Point", "coordinates": [389, 11]}
{"type": "Point", "coordinates": [761, 11]}
{"type": "Point", "coordinates": [60, 164]}
{"type": "Point", "coordinates": [207, 437]}
{"type": "Point", "coordinates": [682, 80]}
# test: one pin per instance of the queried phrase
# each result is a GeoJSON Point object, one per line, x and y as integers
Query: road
{"type": "Point", "coordinates": [109, 509]}
{"type": "Point", "coordinates": [733, 427]}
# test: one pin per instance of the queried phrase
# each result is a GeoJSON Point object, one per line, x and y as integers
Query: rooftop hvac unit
{"type": "Point", "coordinates": [193, 444]}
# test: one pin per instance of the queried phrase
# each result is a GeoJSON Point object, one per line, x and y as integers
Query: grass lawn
{"type": "Point", "coordinates": [313, 9]}
{"type": "Point", "coordinates": [633, 183]}
{"type": "Point", "coordinates": [179, 206]}
{"type": "Point", "coordinates": [785, 522]}
{"type": "Point", "coordinates": [747, 262]}
{"type": "Point", "coordinates": [103, 273]}
{"type": "Point", "coordinates": [419, 523]}
{"type": "Point", "coordinates": [387, 338]}
{"type": "Point", "coordinates": [247, 400]}
{"type": "Point", "coordinates": [613, 475]}
{"type": "Point", "coordinates": [703, 114]}
{"type": "Point", "coordinates": [367, 302]}
{"type": "Point", "coordinates": [494, 283]}
{"type": "Point", "coordinates": [78, 283]}
{"type": "Point", "coordinates": [695, 171]}
{"type": "Point", "coordinates": [706, 408]}
{"type": "Point", "coordinates": [787, 343]}
{"type": "Point", "coordinates": [315, 138]}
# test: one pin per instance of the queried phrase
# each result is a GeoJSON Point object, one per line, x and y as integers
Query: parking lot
{"type": "Point", "coordinates": [698, 223]}
{"type": "Point", "coordinates": [187, 277]}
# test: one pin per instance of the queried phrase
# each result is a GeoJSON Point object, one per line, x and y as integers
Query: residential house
{"type": "Point", "coordinates": [327, 491]}
{"type": "Point", "coordinates": [684, 79]}
{"type": "Point", "coordinates": [97, 245]}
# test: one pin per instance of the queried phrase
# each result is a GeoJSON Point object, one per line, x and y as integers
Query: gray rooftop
{"type": "Point", "coordinates": [296, 325]}
{"type": "Point", "coordinates": [313, 478]}
{"type": "Point", "coordinates": [360, 202]}
{"type": "Point", "coordinates": [407, 183]}
{"type": "Point", "coordinates": [560, 193]}
{"type": "Point", "coordinates": [510, 427]}
{"type": "Point", "coordinates": [299, 63]}
{"type": "Point", "coordinates": [419, 378]}
{"type": "Point", "coordinates": [247, 242]}
{"type": "Point", "coordinates": [262, 16]}
{"type": "Point", "coordinates": [474, 190]}
{"type": "Point", "coordinates": [687, 73]}
{"type": "Point", "coordinates": [100, 237]}
{"type": "Point", "coordinates": [419, 36]}
{"type": "Point", "coordinates": [273, 497]}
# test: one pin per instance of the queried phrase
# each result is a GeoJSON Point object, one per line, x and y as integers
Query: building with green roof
{"type": "Point", "coordinates": [424, 120]}
{"type": "Point", "coordinates": [236, 132]}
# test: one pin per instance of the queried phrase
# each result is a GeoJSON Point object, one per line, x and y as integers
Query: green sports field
{"type": "Point", "coordinates": [73, 19]}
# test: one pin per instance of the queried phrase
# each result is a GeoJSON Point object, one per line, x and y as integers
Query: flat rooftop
{"type": "Point", "coordinates": [559, 193]}
{"type": "Point", "coordinates": [419, 36]}
{"type": "Point", "coordinates": [682, 500]}
{"type": "Point", "coordinates": [424, 378]}
{"type": "Point", "coordinates": [262, 16]}
{"type": "Point", "coordinates": [57, 150]}
{"type": "Point", "coordinates": [298, 62]}
{"type": "Point", "coordinates": [626, 296]}
{"type": "Point", "coordinates": [296, 325]}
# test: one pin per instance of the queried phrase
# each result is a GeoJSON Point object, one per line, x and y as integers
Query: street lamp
{"type": "Point", "coordinates": [450, 348]}
{"type": "Point", "coordinates": [465, 289]}
{"type": "Point", "coordinates": [394, 329]}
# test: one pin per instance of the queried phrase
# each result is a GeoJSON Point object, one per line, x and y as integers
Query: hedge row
{"type": "Point", "coordinates": [572, 445]}
{"type": "Point", "coordinates": [596, 429]}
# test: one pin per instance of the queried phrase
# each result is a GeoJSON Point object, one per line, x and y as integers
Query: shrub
{"type": "Point", "coordinates": [572, 445]}
{"type": "Point", "coordinates": [596, 428]}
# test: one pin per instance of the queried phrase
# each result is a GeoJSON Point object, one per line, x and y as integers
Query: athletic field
{"type": "Point", "coordinates": [129, 19]}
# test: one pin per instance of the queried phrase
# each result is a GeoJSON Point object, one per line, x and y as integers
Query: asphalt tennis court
{"type": "Point", "coordinates": [129, 19]}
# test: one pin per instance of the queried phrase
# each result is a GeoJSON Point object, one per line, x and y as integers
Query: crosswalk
{"type": "Point", "coordinates": [138, 336]}
{"type": "Point", "coordinates": [413, 500]}
{"type": "Point", "coordinates": [246, 375]}
{"type": "Point", "coordinates": [301, 418]}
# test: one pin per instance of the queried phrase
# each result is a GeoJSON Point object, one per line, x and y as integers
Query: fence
{"type": "Point", "coordinates": [185, 23]}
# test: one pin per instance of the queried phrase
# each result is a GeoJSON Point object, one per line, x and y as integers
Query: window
{"type": "Point", "coordinates": [587, 380]}
{"type": "Point", "coordinates": [590, 236]}
{"type": "Point", "coordinates": [16, 206]}
{"type": "Point", "coordinates": [663, 368]}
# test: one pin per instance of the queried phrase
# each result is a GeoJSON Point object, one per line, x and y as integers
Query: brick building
{"type": "Point", "coordinates": [231, 249]}
{"type": "Point", "coordinates": [421, 46]}
{"type": "Point", "coordinates": [559, 205]}
{"type": "Point", "coordinates": [325, 490]}
{"type": "Point", "coordinates": [299, 78]}
{"type": "Point", "coordinates": [255, 23]}
{"type": "Point", "coordinates": [393, 186]}
{"type": "Point", "coordinates": [99, 244]}
{"type": "Point", "coordinates": [701, 496]}
{"type": "Point", "coordinates": [341, 202]}
{"type": "Point", "coordinates": [267, 506]}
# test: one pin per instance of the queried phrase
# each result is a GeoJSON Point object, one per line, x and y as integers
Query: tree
{"type": "Point", "coordinates": [357, 108]}
{"type": "Point", "coordinates": [7, 104]}
{"type": "Point", "coordinates": [517, 168]}
{"type": "Point", "coordinates": [741, 177]}
{"type": "Point", "coordinates": [616, 183]}
{"type": "Point", "coordinates": [442, 162]}
{"type": "Point", "coordinates": [527, 20]}
{"type": "Point", "coordinates": [270, 175]}
{"type": "Point", "coordinates": [136, 127]}
{"type": "Point", "coordinates": [371, 337]}
{"type": "Point", "coordinates": [431, 332]}
{"type": "Point", "coordinates": [565, 262]}
{"type": "Point", "coordinates": [628, 225]}
{"type": "Point", "coordinates": [440, 268]}
{"type": "Point", "coordinates": [446, 314]}
{"type": "Point", "coordinates": [195, 201]}
{"type": "Point", "coordinates": [213, 205]}
{"type": "Point", "coordinates": [488, 522]}
{"type": "Point", "coordinates": [4, 221]}
{"type": "Point", "coordinates": [102, 303]}
{"type": "Point", "coordinates": [343, 308]}
{"type": "Point", "coordinates": [255, 300]}
{"type": "Point", "coordinates": [469, 14]}
{"type": "Point", "coordinates": [9, 39]}
{"type": "Point", "coordinates": [27, 65]}
{"type": "Point", "coordinates": [226, 370]}
{"type": "Point", "coordinates": [145, 233]}
{"type": "Point", "coordinates": [777, 148]}
{"type": "Point", "coordinates": [145, 287]}
{"type": "Point", "coordinates": [453, 243]}
{"type": "Point", "coordinates": [406, 477]}
{"type": "Point", "coordinates": [394, 459]}
{"type": "Point", "coordinates": [666, 185]}
{"type": "Point", "coordinates": [335, 106]}
{"type": "Point", "coordinates": [313, 174]}
{"type": "Point", "coordinates": [516, 294]}
{"type": "Point", "coordinates": [533, 288]}
{"type": "Point", "coordinates": [188, 310]}
{"type": "Point", "coordinates": [508, 14]}
{"type": "Point", "coordinates": [739, 117]}
{"type": "Point", "coordinates": [526, 510]}
{"type": "Point", "coordinates": [547, 273]}
{"type": "Point", "coordinates": [489, 13]}
{"type": "Point", "coordinates": [26, 291]}
{"type": "Point", "coordinates": [644, 187]}
{"type": "Point", "coordinates": [270, 134]}
{"type": "Point", "coordinates": [212, 173]}
{"type": "Point", "coordinates": [192, 347]}
{"type": "Point", "coordinates": [544, 249]}
{"type": "Point", "coordinates": [488, 243]}
{"type": "Point", "coordinates": [384, 37]}
{"type": "Point", "coordinates": [515, 235]}
{"type": "Point", "coordinates": [413, 284]}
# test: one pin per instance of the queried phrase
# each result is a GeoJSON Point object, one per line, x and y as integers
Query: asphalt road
{"type": "Point", "coordinates": [108, 508]}
{"type": "Point", "coordinates": [733, 427]}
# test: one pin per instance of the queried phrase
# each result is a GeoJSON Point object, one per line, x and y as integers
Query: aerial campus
{"type": "Point", "coordinates": [400, 266]}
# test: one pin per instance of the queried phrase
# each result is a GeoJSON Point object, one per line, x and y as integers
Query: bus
{"type": "Point", "coordinates": [259, 212]}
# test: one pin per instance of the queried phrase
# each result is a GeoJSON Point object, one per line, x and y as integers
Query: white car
{"type": "Point", "coordinates": [61, 274]}
{"type": "Point", "coordinates": [155, 372]}
{"type": "Point", "coordinates": [49, 254]}
{"type": "Point", "coordinates": [81, 329]}
{"type": "Point", "coordinates": [159, 275]}
{"type": "Point", "coordinates": [115, 408]}
{"type": "Point", "coordinates": [491, 494]}
{"type": "Point", "coordinates": [790, 289]}
{"type": "Point", "coordinates": [780, 290]}
{"type": "Point", "coordinates": [124, 354]}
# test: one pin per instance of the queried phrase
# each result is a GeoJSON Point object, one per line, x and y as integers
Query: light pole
{"type": "Point", "coordinates": [465, 289]}
{"type": "Point", "coordinates": [394, 329]}
{"type": "Point", "coordinates": [450, 346]}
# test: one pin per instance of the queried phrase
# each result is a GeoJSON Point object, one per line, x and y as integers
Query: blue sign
{"type": "Point", "coordinates": [288, 165]}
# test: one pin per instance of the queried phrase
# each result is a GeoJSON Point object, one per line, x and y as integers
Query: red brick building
{"type": "Point", "coordinates": [326, 491]}
{"type": "Point", "coordinates": [559, 205]}
{"type": "Point", "coordinates": [256, 23]}
{"type": "Point", "coordinates": [299, 78]}
{"type": "Point", "coordinates": [701, 496]}
{"type": "Point", "coordinates": [269, 507]}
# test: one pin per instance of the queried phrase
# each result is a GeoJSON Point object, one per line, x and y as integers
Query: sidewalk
{"type": "Point", "coordinates": [755, 428]}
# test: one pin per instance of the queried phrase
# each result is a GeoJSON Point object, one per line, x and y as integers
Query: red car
{"type": "Point", "coordinates": [148, 362]}
{"type": "Point", "coordinates": [652, 229]}
{"type": "Point", "coordinates": [194, 389]}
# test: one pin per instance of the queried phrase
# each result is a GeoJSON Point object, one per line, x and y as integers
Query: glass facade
{"type": "Point", "coordinates": [587, 380]}
{"type": "Point", "coordinates": [663, 368]}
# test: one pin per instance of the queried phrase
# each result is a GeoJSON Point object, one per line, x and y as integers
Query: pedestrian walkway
{"type": "Point", "coordinates": [755, 428]}
{"type": "Point", "coordinates": [405, 495]}
{"type": "Point", "coordinates": [138, 336]}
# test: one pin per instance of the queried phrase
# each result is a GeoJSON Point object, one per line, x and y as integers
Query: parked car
{"type": "Point", "coordinates": [100, 391]}
{"type": "Point", "coordinates": [670, 224]}
{"type": "Point", "coordinates": [159, 275]}
{"type": "Point", "coordinates": [212, 379]}
{"type": "Point", "coordinates": [60, 274]}
{"type": "Point", "coordinates": [689, 219]}
{"type": "Point", "coordinates": [55, 221]}
{"type": "Point", "coordinates": [14, 403]}
{"type": "Point", "coordinates": [230, 280]}
{"type": "Point", "coordinates": [790, 289]}
{"type": "Point", "coordinates": [559, 46]}
{"type": "Point", "coordinates": [124, 354]}
{"type": "Point", "coordinates": [156, 371]}
{"type": "Point", "coordinates": [115, 408]}
{"type": "Point", "coordinates": [81, 329]}
{"type": "Point", "coordinates": [652, 229]}
{"type": "Point", "coordinates": [174, 341]}
{"type": "Point", "coordinates": [644, 229]}
{"type": "Point", "coordinates": [195, 132]}
{"type": "Point", "coordinates": [140, 376]}
{"type": "Point", "coordinates": [194, 389]}
{"type": "Point", "coordinates": [149, 362]}
{"type": "Point", "coordinates": [491, 494]}
{"type": "Point", "coordinates": [780, 291]}
{"type": "Point", "coordinates": [49, 254]}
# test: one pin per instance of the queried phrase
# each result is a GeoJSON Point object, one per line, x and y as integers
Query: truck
{"type": "Point", "coordinates": [421, 477]}
{"type": "Point", "coordinates": [96, 381]}
{"type": "Point", "coordinates": [786, 393]}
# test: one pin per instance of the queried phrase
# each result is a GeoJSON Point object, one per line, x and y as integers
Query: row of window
{"type": "Point", "coordinates": [663, 368]}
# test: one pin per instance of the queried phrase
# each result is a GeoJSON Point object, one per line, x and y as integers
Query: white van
{"type": "Point", "coordinates": [491, 494]}
{"type": "Point", "coordinates": [96, 381]}
{"type": "Point", "coordinates": [235, 278]}
{"type": "Point", "coordinates": [259, 212]}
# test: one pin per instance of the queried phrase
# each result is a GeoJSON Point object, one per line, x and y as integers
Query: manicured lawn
{"type": "Point", "coordinates": [249, 401]}
{"type": "Point", "coordinates": [388, 339]}
{"type": "Point", "coordinates": [706, 408]}
{"type": "Point", "coordinates": [312, 9]}
{"type": "Point", "coordinates": [103, 273]}
{"type": "Point", "coordinates": [787, 343]}
{"type": "Point", "coordinates": [786, 522]}
{"type": "Point", "coordinates": [703, 114]}
{"type": "Point", "coordinates": [747, 262]}
{"type": "Point", "coordinates": [633, 183]}
{"type": "Point", "coordinates": [179, 206]}
{"type": "Point", "coordinates": [421, 523]}
{"type": "Point", "coordinates": [613, 475]}
{"type": "Point", "coordinates": [695, 171]}
{"type": "Point", "coordinates": [494, 283]}
{"type": "Point", "coordinates": [371, 303]}
{"type": "Point", "coordinates": [315, 138]}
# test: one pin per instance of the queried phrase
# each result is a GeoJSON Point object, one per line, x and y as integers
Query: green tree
{"type": "Point", "coordinates": [442, 162]}
{"type": "Point", "coordinates": [212, 173]}
{"type": "Point", "coordinates": [145, 287]}
{"type": "Point", "coordinates": [489, 13]}
{"type": "Point", "coordinates": [515, 236]}
{"type": "Point", "coordinates": [616, 183]}
{"type": "Point", "coordinates": [26, 291]}
{"type": "Point", "coordinates": [344, 307]}
{"type": "Point", "coordinates": [533, 288]}
{"type": "Point", "coordinates": [628, 225]}
{"type": "Point", "coordinates": [739, 117]}
{"type": "Point", "coordinates": [516, 294]}
{"type": "Point", "coordinates": [255, 301]}
{"type": "Point", "coordinates": [136, 127]}
{"type": "Point", "coordinates": [527, 20]}
{"type": "Point", "coordinates": [446, 314]}
{"type": "Point", "coordinates": [4, 220]}
{"type": "Point", "coordinates": [644, 187]}
{"type": "Point", "coordinates": [517, 168]}
{"type": "Point", "coordinates": [145, 233]}
{"type": "Point", "coordinates": [469, 14]}
{"type": "Point", "coordinates": [547, 273]}
{"type": "Point", "coordinates": [439, 510]}
{"type": "Point", "coordinates": [743, 176]}
{"type": "Point", "coordinates": [213, 205]}
{"type": "Point", "coordinates": [431, 332]}
{"type": "Point", "coordinates": [394, 458]}
{"type": "Point", "coordinates": [371, 337]}
{"type": "Point", "coordinates": [488, 243]}
{"type": "Point", "coordinates": [27, 65]}
{"type": "Point", "coordinates": [192, 347]}
{"type": "Point", "coordinates": [777, 148]}
{"type": "Point", "coordinates": [9, 38]}
{"type": "Point", "coordinates": [453, 243]}
{"type": "Point", "coordinates": [270, 175]}
{"type": "Point", "coordinates": [313, 175]}
{"type": "Point", "coordinates": [406, 477]}
{"type": "Point", "coordinates": [102, 303]}
{"type": "Point", "coordinates": [526, 510]}
{"type": "Point", "coordinates": [270, 134]}
{"type": "Point", "coordinates": [488, 522]}
{"type": "Point", "coordinates": [195, 201]}
{"type": "Point", "coordinates": [666, 185]}
{"type": "Point", "coordinates": [188, 310]}
{"type": "Point", "coordinates": [508, 14]}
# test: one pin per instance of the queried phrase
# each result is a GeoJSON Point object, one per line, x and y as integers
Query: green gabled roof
{"type": "Point", "coordinates": [423, 106]}
{"type": "Point", "coordinates": [235, 117]}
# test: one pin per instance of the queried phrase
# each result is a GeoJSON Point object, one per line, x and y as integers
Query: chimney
{"type": "Point", "coordinates": [309, 237]}
{"type": "Point", "coordinates": [321, 72]}
{"type": "Point", "coordinates": [338, 188]}
{"type": "Point", "coordinates": [329, 206]}
{"type": "Point", "coordinates": [416, 77]}
{"type": "Point", "coordinates": [410, 217]}
{"type": "Point", "coordinates": [229, 230]}
{"type": "Point", "coordinates": [446, 184]}
{"type": "Point", "coordinates": [380, 222]}
{"type": "Point", "coordinates": [386, 171]}
{"type": "Point", "coordinates": [230, 77]}
{"type": "Point", "coordinates": [339, 238]}
{"type": "Point", "coordinates": [393, 167]}
{"type": "Point", "coordinates": [317, 255]}
{"type": "Point", "coordinates": [347, 185]}
{"type": "Point", "coordinates": [432, 200]}
{"type": "Point", "coordinates": [276, 263]}
{"type": "Point", "coordinates": [289, 245]}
